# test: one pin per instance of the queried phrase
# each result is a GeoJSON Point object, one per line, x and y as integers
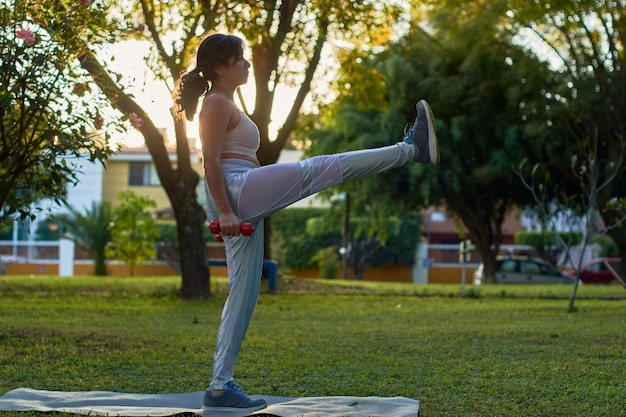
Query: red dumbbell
{"type": "Point", "coordinates": [245, 228]}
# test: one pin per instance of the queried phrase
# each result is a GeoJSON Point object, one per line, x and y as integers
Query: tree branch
{"type": "Point", "coordinates": [125, 104]}
{"type": "Point", "coordinates": [304, 89]}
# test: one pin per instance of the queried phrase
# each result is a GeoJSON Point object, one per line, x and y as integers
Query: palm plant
{"type": "Point", "coordinates": [90, 231]}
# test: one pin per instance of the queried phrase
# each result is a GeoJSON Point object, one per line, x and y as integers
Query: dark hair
{"type": "Point", "coordinates": [214, 50]}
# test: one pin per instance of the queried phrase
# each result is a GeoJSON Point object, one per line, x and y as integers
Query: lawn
{"type": "Point", "coordinates": [498, 351]}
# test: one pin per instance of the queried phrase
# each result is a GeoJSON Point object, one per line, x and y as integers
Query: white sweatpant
{"type": "Point", "coordinates": [255, 193]}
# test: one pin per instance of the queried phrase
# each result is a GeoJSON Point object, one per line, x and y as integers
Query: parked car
{"type": "Point", "coordinates": [524, 270]}
{"type": "Point", "coordinates": [598, 271]}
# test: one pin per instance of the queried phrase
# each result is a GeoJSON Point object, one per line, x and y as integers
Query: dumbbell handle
{"type": "Point", "coordinates": [245, 228]}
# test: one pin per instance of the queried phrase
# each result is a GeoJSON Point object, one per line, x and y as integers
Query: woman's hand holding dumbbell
{"type": "Point", "coordinates": [245, 228]}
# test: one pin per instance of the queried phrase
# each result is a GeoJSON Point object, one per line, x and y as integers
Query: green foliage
{"type": "Point", "coordinates": [585, 43]}
{"type": "Point", "coordinates": [327, 260]}
{"type": "Point", "coordinates": [47, 230]}
{"type": "Point", "coordinates": [90, 230]}
{"type": "Point", "coordinates": [306, 232]}
{"type": "Point", "coordinates": [49, 112]}
{"type": "Point", "coordinates": [608, 248]}
{"type": "Point", "coordinates": [133, 230]}
{"type": "Point", "coordinates": [585, 171]}
{"type": "Point", "coordinates": [289, 227]}
{"type": "Point", "coordinates": [399, 249]}
{"type": "Point", "coordinates": [547, 239]}
{"type": "Point", "coordinates": [6, 232]}
{"type": "Point", "coordinates": [488, 97]}
{"type": "Point", "coordinates": [168, 231]}
{"type": "Point", "coordinates": [485, 93]}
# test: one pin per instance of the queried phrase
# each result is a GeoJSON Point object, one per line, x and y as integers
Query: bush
{"type": "Point", "coordinates": [608, 248]}
{"type": "Point", "coordinates": [299, 234]}
{"type": "Point", "coordinates": [327, 260]}
{"type": "Point", "coordinates": [399, 249]}
{"type": "Point", "coordinates": [169, 233]}
{"type": "Point", "coordinates": [289, 228]}
{"type": "Point", "coordinates": [546, 239]}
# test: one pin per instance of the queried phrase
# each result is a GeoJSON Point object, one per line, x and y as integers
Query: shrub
{"type": "Point", "coordinates": [299, 234]}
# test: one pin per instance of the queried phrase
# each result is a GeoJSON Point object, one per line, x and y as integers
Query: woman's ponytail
{"type": "Point", "coordinates": [189, 88]}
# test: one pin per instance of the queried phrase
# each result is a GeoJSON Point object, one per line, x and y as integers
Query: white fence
{"type": "Point", "coordinates": [38, 252]}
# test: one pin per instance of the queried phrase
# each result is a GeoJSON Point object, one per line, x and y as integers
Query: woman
{"type": "Point", "coordinates": [239, 190]}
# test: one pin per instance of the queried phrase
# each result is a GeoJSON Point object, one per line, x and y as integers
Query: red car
{"type": "Point", "coordinates": [599, 271]}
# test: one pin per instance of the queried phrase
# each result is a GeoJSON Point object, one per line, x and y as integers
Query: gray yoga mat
{"type": "Point", "coordinates": [136, 405]}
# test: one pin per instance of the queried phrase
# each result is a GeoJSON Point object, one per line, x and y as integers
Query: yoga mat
{"type": "Point", "coordinates": [136, 405]}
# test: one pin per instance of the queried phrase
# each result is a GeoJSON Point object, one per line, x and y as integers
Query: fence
{"type": "Point", "coordinates": [61, 252]}
{"type": "Point", "coordinates": [64, 258]}
{"type": "Point", "coordinates": [28, 251]}
{"type": "Point", "coordinates": [434, 263]}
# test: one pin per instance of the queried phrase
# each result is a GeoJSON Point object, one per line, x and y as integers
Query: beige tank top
{"type": "Point", "coordinates": [243, 139]}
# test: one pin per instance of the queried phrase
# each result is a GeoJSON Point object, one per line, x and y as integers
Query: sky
{"type": "Point", "coordinates": [128, 59]}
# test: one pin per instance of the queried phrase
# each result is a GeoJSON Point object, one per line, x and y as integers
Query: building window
{"type": "Point", "coordinates": [142, 173]}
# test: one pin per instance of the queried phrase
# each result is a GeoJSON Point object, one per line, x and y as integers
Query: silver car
{"type": "Point", "coordinates": [523, 270]}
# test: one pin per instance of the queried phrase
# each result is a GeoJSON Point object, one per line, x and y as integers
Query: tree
{"type": "Point", "coordinates": [581, 209]}
{"type": "Point", "coordinates": [585, 40]}
{"type": "Point", "coordinates": [90, 231]}
{"type": "Point", "coordinates": [133, 230]}
{"type": "Point", "coordinates": [48, 111]}
{"type": "Point", "coordinates": [287, 39]}
{"type": "Point", "coordinates": [484, 91]}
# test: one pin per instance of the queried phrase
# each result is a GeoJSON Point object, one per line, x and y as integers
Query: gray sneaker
{"type": "Point", "coordinates": [424, 135]}
{"type": "Point", "coordinates": [232, 397]}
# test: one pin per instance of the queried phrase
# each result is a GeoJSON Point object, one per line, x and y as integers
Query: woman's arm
{"type": "Point", "coordinates": [217, 116]}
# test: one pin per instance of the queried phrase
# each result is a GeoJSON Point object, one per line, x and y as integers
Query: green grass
{"type": "Point", "coordinates": [499, 351]}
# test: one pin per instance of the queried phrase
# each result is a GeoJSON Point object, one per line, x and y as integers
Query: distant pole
{"type": "Point", "coordinates": [14, 237]}
{"type": "Point", "coordinates": [345, 235]}
{"type": "Point", "coordinates": [464, 256]}
{"type": "Point", "coordinates": [66, 257]}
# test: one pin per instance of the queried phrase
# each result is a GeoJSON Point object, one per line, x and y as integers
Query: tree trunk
{"type": "Point", "coordinates": [489, 269]}
{"type": "Point", "coordinates": [179, 184]}
{"type": "Point", "coordinates": [483, 245]}
{"type": "Point", "coordinates": [190, 221]}
{"type": "Point", "coordinates": [487, 241]}
{"type": "Point", "coordinates": [345, 237]}
{"type": "Point", "coordinates": [267, 240]}
{"type": "Point", "coordinates": [100, 266]}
